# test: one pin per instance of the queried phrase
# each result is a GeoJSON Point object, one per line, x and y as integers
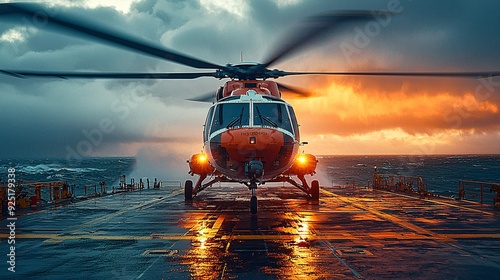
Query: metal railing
{"type": "Point", "coordinates": [145, 183]}
{"type": "Point", "coordinates": [479, 191]}
{"type": "Point", "coordinates": [399, 183]}
{"type": "Point", "coordinates": [33, 194]}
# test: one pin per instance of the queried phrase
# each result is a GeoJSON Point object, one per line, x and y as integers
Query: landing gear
{"type": "Point", "coordinates": [253, 204]}
{"type": "Point", "coordinates": [253, 199]}
{"type": "Point", "coordinates": [188, 190]}
{"type": "Point", "coordinates": [254, 169]}
{"type": "Point", "coordinates": [311, 191]}
{"type": "Point", "coordinates": [191, 190]}
{"type": "Point", "coordinates": [314, 191]}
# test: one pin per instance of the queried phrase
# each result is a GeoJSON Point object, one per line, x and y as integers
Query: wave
{"type": "Point", "coordinates": [46, 168]}
{"type": "Point", "coordinates": [55, 177]}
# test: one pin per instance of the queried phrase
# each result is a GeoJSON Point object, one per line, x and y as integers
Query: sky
{"type": "Point", "coordinates": [346, 114]}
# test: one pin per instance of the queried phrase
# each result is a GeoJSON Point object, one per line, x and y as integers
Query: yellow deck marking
{"type": "Point", "coordinates": [390, 218]}
{"type": "Point", "coordinates": [216, 226]}
{"type": "Point", "coordinates": [79, 228]}
{"type": "Point", "coordinates": [286, 237]}
{"type": "Point", "coordinates": [120, 212]}
{"type": "Point", "coordinates": [55, 237]}
{"type": "Point", "coordinates": [219, 222]}
{"type": "Point", "coordinates": [417, 232]}
{"type": "Point", "coordinates": [446, 203]}
{"type": "Point", "coordinates": [207, 232]}
{"type": "Point", "coordinates": [474, 235]}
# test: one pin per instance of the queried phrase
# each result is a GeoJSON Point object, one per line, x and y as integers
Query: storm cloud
{"type": "Point", "coordinates": [69, 118]}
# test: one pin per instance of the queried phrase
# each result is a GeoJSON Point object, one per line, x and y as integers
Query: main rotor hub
{"type": "Point", "coordinates": [248, 71]}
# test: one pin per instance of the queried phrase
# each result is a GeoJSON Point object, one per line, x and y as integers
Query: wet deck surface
{"type": "Point", "coordinates": [350, 234]}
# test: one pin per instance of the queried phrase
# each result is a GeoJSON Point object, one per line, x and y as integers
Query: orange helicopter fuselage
{"type": "Point", "coordinates": [250, 124]}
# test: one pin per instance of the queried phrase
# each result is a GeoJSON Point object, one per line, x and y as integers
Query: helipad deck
{"type": "Point", "coordinates": [353, 233]}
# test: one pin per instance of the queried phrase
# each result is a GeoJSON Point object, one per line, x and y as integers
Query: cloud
{"type": "Point", "coordinates": [43, 117]}
{"type": "Point", "coordinates": [356, 107]}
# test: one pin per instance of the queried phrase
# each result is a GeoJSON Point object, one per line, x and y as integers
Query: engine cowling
{"type": "Point", "coordinates": [304, 164]}
{"type": "Point", "coordinates": [199, 164]}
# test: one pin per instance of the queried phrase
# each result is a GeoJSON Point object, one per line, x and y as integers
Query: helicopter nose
{"type": "Point", "coordinates": [254, 169]}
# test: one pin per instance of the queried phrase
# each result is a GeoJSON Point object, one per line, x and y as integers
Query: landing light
{"type": "Point", "coordinates": [302, 159]}
{"type": "Point", "coordinates": [202, 158]}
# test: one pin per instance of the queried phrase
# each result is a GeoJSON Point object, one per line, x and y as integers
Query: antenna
{"type": "Point", "coordinates": [241, 56]}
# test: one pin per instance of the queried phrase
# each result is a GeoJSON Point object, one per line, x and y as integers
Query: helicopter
{"type": "Point", "coordinates": [251, 134]}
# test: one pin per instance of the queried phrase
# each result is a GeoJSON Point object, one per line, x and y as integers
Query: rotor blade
{"type": "Point", "coordinates": [207, 97]}
{"type": "Point", "coordinates": [482, 74]}
{"type": "Point", "coordinates": [82, 26]}
{"type": "Point", "coordinates": [294, 90]}
{"type": "Point", "coordinates": [316, 26]}
{"type": "Point", "coordinates": [104, 75]}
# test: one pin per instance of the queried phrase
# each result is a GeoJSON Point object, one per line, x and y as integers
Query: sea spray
{"type": "Point", "coordinates": [163, 164]}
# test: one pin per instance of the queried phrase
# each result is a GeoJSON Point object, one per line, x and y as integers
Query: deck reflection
{"type": "Point", "coordinates": [352, 233]}
{"type": "Point", "coordinates": [278, 242]}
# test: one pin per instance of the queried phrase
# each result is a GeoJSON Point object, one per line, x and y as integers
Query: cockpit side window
{"type": "Point", "coordinates": [229, 115]}
{"type": "Point", "coordinates": [294, 123]}
{"type": "Point", "coordinates": [208, 122]}
{"type": "Point", "coordinates": [271, 114]}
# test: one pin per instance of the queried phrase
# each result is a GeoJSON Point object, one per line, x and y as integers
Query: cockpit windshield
{"type": "Point", "coordinates": [263, 114]}
{"type": "Point", "coordinates": [230, 115]}
{"type": "Point", "coordinates": [271, 114]}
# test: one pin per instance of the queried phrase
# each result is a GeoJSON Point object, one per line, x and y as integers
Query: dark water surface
{"type": "Point", "coordinates": [441, 173]}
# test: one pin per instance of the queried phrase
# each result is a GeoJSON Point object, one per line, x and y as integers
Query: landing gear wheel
{"type": "Point", "coordinates": [315, 190]}
{"type": "Point", "coordinates": [188, 190]}
{"type": "Point", "coordinates": [253, 205]}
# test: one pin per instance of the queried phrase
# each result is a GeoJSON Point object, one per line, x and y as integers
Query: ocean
{"type": "Point", "coordinates": [88, 172]}
{"type": "Point", "coordinates": [440, 173]}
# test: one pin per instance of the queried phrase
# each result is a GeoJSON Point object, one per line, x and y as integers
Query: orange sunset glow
{"type": "Point", "coordinates": [409, 119]}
